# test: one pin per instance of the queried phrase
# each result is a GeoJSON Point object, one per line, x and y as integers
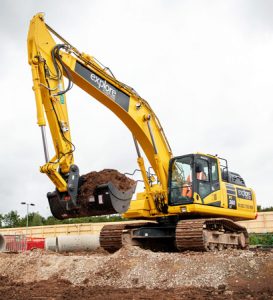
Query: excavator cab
{"type": "Point", "coordinates": [202, 184]}
{"type": "Point", "coordinates": [192, 175]}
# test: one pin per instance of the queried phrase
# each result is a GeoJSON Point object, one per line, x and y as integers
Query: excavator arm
{"type": "Point", "coordinates": [50, 62]}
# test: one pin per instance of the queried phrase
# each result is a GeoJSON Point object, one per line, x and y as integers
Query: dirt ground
{"type": "Point", "coordinates": [91, 180]}
{"type": "Point", "coordinates": [134, 273]}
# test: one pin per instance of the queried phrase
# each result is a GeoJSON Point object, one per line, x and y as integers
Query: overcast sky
{"type": "Point", "coordinates": [205, 67]}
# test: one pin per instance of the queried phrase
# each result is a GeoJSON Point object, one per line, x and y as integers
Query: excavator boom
{"type": "Point", "coordinates": [50, 62]}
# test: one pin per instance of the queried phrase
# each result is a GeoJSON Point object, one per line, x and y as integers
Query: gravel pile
{"type": "Point", "coordinates": [132, 267]}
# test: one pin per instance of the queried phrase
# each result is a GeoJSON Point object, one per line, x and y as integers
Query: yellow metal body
{"type": "Point", "coordinates": [138, 116]}
{"type": "Point", "coordinates": [246, 209]}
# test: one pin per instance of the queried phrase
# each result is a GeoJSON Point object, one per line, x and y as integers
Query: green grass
{"type": "Point", "coordinates": [261, 239]}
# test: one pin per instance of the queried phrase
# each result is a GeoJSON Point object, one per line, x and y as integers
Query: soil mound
{"type": "Point", "coordinates": [91, 180]}
{"type": "Point", "coordinates": [134, 273]}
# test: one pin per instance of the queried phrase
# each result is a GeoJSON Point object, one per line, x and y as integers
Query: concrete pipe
{"type": "Point", "coordinates": [51, 243]}
{"type": "Point", "coordinates": [2, 243]}
{"type": "Point", "coordinates": [78, 242]}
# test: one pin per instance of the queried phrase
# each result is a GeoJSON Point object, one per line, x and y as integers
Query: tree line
{"type": "Point", "coordinates": [13, 219]}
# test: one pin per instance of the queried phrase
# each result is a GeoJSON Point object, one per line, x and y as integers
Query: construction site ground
{"type": "Point", "coordinates": [133, 273]}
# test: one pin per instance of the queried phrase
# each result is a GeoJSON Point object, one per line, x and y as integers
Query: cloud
{"type": "Point", "coordinates": [205, 67]}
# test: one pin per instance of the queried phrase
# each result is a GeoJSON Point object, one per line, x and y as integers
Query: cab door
{"type": "Point", "coordinates": [180, 180]}
{"type": "Point", "coordinates": [206, 176]}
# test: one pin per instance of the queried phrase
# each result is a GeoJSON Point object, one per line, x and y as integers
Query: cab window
{"type": "Point", "coordinates": [181, 188]}
{"type": "Point", "coordinates": [202, 169]}
{"type": "Point", "coordinates": [181, 171]}
{"type": "Point", "coordinates": [202, 177]}
{"type": "Point", "coordinates": [214, 171]}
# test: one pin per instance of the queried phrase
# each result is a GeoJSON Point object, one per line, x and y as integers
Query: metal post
{"type": "Point", "coordinates": [45, 143]}
{"type": "Point", "coordinates": [27, 219]}
{"type": "Point", "coordinates": [27, 204]}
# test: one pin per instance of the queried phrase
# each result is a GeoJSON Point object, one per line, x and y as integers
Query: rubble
{"type": "Point", "coordinates": [226, 273]}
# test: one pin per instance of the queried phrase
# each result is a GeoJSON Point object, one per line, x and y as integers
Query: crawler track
{"type": "Point", "coordinates": [195, 235]}
{"type": "Point", "coordinates": [113, 237]}
{"type": "Point", "coordinates": [210, 234]}
{"type": "Point", "coordinates": [189, 235]}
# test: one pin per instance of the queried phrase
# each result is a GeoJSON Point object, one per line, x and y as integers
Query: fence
{"type": "Point", "coordinates": [20, 243]}
{"type": "Point", "coordinates": [263, 224]}
{"type": "Point", "coordinates": [15, 243]}
{"type": "Point", "coordinates": [57, 230]}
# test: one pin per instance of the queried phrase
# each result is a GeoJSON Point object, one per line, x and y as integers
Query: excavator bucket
{"type": "Point", "coordinates": [106, 199]}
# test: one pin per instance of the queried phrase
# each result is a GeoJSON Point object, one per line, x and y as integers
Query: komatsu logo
{"type": "Point", "coordinates": [244, 194]}
{"type": "Point", "coordinates": [104, 86]}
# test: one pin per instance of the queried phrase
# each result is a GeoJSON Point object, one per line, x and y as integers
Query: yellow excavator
{"type": "Point", "coordinates": [189, 203]}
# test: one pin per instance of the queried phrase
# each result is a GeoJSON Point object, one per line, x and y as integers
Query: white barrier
{"type": "Point", "coordinates": [51, 244]}
{"type": "Point", "coordinates": [72, 243]}
{"type": "Point", "coordinates": [78, 243]}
